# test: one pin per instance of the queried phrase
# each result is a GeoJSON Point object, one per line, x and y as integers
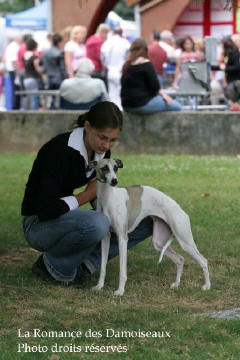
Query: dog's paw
{"type": "Point", "coordinates": [174, 285]}
{"type": "Point", "coordinates": [98, 287]}
{"type": "Point", "coordinates": [118, 292]}
{"type": "Point", "coordinates": [206, 287]}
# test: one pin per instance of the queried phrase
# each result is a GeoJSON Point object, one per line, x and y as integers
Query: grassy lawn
{"type": "Point", "coordinates": [207, 188]}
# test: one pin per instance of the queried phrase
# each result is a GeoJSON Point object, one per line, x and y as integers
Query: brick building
{"type": "Point", "coordinates": [72, 12]}
{"type": "Point", "coordinates": [183, 17]}
{"type": "Point", "coordinates": [186, 17]}
{"type": "Point", "coordinates": [89, 13]}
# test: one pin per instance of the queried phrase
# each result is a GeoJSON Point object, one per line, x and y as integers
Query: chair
{"type": "Point", "coordinates": [194, 78]}
{"type": "Point", "coordinates": [194, 83]}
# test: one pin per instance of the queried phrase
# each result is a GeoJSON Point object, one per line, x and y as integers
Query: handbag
{"type": "Point", "coordinates": [232, 91]}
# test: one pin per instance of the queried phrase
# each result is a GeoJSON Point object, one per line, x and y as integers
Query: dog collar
{"type": "Point", "coordinates": [104, 182]}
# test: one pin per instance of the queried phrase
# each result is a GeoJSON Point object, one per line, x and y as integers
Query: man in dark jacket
{"type": "Point", "coordinates": [53, 63]}
{"type": "Point", "coordinates": [232, 71]}
{"type": "Point", "coordinates": [232, 68]}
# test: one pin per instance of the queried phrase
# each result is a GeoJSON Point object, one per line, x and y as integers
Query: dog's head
{"type": "Point", "coordinates": [106, 170]}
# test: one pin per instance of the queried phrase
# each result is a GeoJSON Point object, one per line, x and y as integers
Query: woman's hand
{"type": "Point", "coordinates": [88, 194]}
{"type": "Point", "coordinates": [166, 97]}
{"type": "Point", "coordinates": [68, 62]}
{"type": "Point", "coordinates": [222, 66]}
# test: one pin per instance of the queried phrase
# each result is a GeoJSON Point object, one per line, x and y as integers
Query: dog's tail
{"type": "Point", "coordinates": [168, 243]}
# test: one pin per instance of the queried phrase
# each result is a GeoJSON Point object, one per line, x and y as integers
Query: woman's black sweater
{"type": "Point", "coordinates": [139, 85]}
{"type": "Point", "coordinates": [56, 172]}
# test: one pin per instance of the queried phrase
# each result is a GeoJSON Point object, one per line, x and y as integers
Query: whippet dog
{"type": "Point", "coordinates": [126, 207]}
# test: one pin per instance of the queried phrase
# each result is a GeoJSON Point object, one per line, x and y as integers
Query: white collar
{"type": "Point", "coordinates": [76, 142]}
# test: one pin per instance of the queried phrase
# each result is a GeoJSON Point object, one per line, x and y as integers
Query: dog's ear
{"type": "Point", "coordinates": [91, 165]}
{"type": "Point", "coordinates": [119, 163]}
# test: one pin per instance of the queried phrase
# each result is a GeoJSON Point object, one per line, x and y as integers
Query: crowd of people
{"type": "Point", "coordinates": [107, 66]}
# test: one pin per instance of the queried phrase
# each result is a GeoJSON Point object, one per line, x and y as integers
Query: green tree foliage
{"type": "Point", "coordinates": [122, 9]}
{"type": "Point", "coordinates": [14, 6]}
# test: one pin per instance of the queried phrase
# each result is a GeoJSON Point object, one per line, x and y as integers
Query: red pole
{"type": "Point", "coordinates": [235, 19]}
{"type": "Point", "coordinates": [100, 15]}
{"type": "Point", "coordinates": [206, 17]}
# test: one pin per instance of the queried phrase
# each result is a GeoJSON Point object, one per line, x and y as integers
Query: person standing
{"type": "Point", "coordinates": [232, 67]}
{"type": "Point", "coordinates": [157, 56]}
{"type": "Point", "coordinates": [75, 49]}
{"type": "Point", "coordinates": [93, 46]}
{"type": "Point", "coordinates": [22, 50]}
{"type": "Point", "coordinates": [53, 65]}
{"type": "Point", "coordinates": [12, 68]}
{"type": "Point", "coordinates": [33, 73]}
{"type": "Point", "coordinates": [167, 42]}
{"type": "Point", "coordinates": [113, 53]}
{"type": "Point", "coordinates": [188, 54]}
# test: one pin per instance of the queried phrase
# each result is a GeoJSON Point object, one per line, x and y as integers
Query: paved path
{"type": "Point", "coordinates": [225, 314]}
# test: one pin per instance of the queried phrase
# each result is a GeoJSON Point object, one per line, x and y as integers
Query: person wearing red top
{"type": "Point", "coordinates": [157, 55]}
{"type": "Point", "coordinates": [93, 47]}
{"type": "Point", "coordinates": [22, 50]}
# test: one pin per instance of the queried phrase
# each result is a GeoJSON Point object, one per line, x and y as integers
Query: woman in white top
{"type": "Point", "coordinates": [75, 49]}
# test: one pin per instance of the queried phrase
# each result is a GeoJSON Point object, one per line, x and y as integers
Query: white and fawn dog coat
{"type": "Point", "coordinates": [126, 207]}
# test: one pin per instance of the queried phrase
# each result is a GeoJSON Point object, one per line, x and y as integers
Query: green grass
{"type": "Point", "coordinates": [207, 188]}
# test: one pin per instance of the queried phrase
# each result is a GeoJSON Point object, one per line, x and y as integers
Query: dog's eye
{"type": "Point", "coordinates": [105, 169]}
{"type": "Point", "coordinates": [115, 168]}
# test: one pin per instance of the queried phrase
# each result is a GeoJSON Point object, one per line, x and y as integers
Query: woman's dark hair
{"type": "Point", "coordinates": [156, 35]}
{"type": "Point", "coordinates": [183, 42]}
{"type": "Point", "coordinates": [31, 44]}
{"type": "Point", "coordinates": [137, 48]}
{"type": "Point", "coordinates": [178, 42]}
{"type": "Point", "coordinates": [102, 115]}
{"type": "Point", "coordinates": [26, 37]}
{"type": "Point", "coordinates": [228, 45]}
{"type": "Point", "coordinates": [56, 39]}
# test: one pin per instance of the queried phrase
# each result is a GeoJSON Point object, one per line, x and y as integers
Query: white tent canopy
{"type": "Point", "coordinates": [129, 27]}
{"type": "Point", "coordinates": [34, 18]}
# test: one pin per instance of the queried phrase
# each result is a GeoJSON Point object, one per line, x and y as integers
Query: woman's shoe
{"type": "Point", "coordinates": [39, 269]}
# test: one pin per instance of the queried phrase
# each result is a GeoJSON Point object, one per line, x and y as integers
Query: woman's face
{"type": "Point", "coordinates": [236, 41]}
{"type": "Point", "coordinates": [100, 140]}
{"type": "Point", "coordinates": [188, 45]}
{"type": "Point", "coordinates": [80, 36]}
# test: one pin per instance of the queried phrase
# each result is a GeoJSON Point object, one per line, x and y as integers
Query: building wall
{"type": "Point", "coordinates": [175, 16]}
{"type": "Point", "coordinates": [206, 18]}
{"type": "Point", "coordinates": [72, 12]}
{"type": "Point", "coordinates": [163, 16]}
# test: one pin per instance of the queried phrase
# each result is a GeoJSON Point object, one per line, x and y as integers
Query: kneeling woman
{"type": "Point", "coordinates": [68, 237]}
{"type": "Point", "coordinates": [140, 92]}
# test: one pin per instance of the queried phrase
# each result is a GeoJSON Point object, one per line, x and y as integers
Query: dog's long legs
{"type": "Point", "coordinates": [162, 235]}
{"type": "Point", "coordinates": [122, 243]}
{"type": "Point", "coordinates": [184, 236]}
{"type": "Point", "coordinates": [105, 243]}
{"type": "Point", "coordinates": [192, 250]}
{"type": "Point", "coordinates": [179, 261]}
